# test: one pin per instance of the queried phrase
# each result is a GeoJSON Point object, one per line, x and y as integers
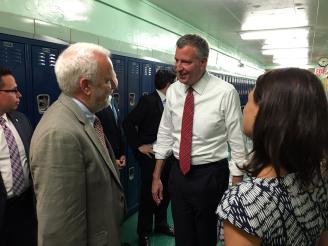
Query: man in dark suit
{"type": "Point", "coordinates": [110, 120]}
{"type": "Point", "coordinates": [141, 126]}
{"type": "Point", "coordinates": [17, 208]}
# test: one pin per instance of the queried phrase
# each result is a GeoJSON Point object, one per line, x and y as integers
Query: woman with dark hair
{"type": "Point", "coordinates": [284, 201]}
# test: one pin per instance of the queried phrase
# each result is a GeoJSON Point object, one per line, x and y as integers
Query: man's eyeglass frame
{"type": "Point", "coordinates": [10, 90]}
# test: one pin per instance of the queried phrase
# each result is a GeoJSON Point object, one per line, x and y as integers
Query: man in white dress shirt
{"type": "Point", "coordinates": [216, 122]}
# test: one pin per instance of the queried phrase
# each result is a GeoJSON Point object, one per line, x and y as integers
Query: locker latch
{"type": "Point", "coordinates": [132, 99]}
{"type": "Point", "coordinates": [43, 102]}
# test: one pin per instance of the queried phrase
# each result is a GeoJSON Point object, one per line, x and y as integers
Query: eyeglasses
{"type": "Point", "coordinates": [16, 91]}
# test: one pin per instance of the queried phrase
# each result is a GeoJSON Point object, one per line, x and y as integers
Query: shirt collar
{"type": "Point", "coordinates": [161, 95]}
{"type": "Point", "coordinates": [90, 116]}
{"type": "Point", "coordinates": [5, 117]}
{"type": "Point", "coordinates": [200, 85]}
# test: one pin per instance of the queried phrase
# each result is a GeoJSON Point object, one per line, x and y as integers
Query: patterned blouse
{"type": "Point", "coordinates": [276, 210]}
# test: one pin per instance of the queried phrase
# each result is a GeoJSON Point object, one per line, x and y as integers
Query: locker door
{"type": "Point", "coordinates": [147, 79]}
{"type": "Point", "coordinates": [133, 83]}
{"type": "Point", "coordinates": [45, 86]}
{"type": "Point", "coordinates": [12, 56]}
{"type": "Point", "coordinates": [119, 67]}
{"type": "Point", "coordinates": [133, 181]}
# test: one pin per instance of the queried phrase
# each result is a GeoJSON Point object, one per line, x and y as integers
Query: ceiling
{"type": "Point", "coordinates": [227, 19]}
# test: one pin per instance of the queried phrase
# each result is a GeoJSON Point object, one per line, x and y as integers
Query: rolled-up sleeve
{"type": "Point", "coordinates": [164, 142]}
{"type": "Point", "coordinates": [235, 136]}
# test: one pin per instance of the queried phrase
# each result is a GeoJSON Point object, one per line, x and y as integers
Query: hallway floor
{"type": "Point", "coordinates": [129, 232]}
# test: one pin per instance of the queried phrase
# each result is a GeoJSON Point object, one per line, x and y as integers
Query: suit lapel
{"type": "Point", "coordinates": [159, 102]}
{"type": "Point", "coordinates": [112, 115]}
{"type": "Point", "coordinates": [91, 133]}
{"type": "Point", "coordinates": [20, 129]}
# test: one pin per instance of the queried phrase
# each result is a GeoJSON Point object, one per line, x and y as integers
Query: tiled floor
{"type": "Point", "coordinates": [130, 235]}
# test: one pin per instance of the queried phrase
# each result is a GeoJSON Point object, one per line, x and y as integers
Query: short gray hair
{"type": "Point", "coordinates": [200, 43]}
{"type": "Point", "coordinates": [78, 60]}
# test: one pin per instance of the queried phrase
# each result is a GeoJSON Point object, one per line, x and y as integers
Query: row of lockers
{"type": "Point", "coordinates": [242, 85]}
{"type": "Point", "coordinates": [32, 62]}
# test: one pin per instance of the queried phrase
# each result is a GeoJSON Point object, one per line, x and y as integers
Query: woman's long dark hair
{"type": "Point", "coordinates": [291, 127]}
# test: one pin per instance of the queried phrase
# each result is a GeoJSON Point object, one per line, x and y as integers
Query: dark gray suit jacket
{"type": "Point", "coordinates": [25, 131]}
{"type": "Point", "coordinates": [141, 124]}
{"type": "Point", "coordinates": [113, 131]}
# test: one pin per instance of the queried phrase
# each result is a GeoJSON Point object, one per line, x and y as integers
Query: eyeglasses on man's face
{"type": "Point", "coordinates": [16, 91]}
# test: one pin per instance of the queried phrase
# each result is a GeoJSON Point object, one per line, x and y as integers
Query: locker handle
{"type": "Point", "coordinates": [43, 102]}
{"type": "Point", "coordinates": [131, 173]}
{"type": "Point", "coordinates": [132, 99]}
{"type": "Point", "coordinates": [145, 93]}
{"type": "Point", "coordinates": [116, 97]}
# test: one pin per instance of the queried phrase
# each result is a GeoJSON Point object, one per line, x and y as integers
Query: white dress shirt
{"type": "Point", "coordinates": [162, 96]}
{"type": "Point", "coordinates": [217, 122]}
{"type": "Point", "coordinates": [5, 164]}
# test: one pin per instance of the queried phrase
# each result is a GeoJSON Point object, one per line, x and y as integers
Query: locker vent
{"type": "Point", "coordinates": [118, 66]}
{"type": "Point", "coordinates": [135, 68]}
{"type": "Point", "coordinates": [45, 58]}
{"type": "Point", "coordinates": [147, 70]}
{"type": "Point", "coordinates": [10, 54]}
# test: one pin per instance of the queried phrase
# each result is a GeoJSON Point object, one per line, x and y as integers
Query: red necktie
{"type": "Point", "coordinates": [186, 132]}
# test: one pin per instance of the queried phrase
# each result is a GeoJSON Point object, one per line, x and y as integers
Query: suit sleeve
{"type": "Point", "coordinates": [235, 136]}
{"type": "Point", "coordinates": [132, 122]}
{"type": "Point", "coordinates": [58, 171]}
{"type": "Point", "coordinates": [122, 135]}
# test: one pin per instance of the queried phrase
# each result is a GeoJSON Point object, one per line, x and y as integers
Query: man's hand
{"type": "Point", "coordinates": [236, 179]}
{"type": "Point", "coordinates": [157, 190]}
{"type": "Point", "coordinates": [146, 149]}
{"type": "Point", "coordinates": [121, 162]}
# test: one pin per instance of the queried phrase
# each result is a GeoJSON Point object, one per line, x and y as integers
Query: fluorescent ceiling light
{"type": "Point", "coordinates": [72, 10]}
{"type": "Point", "coordinates": [275, 18]}
{"type": "Point", "coordinates": [274, 34]}
{"type": "Point", "coordinates": [286, 52]}
{"type": "Point", "coordinates": [282, 44]}
{"type": "Point", "coordinates": [284, 33]}
{"type": "Point", "coordinates": [304, 66]}
{"type": "Point", "coordinates": [291, 61]}
{"type": "Point", "coordinates": [150, 58]}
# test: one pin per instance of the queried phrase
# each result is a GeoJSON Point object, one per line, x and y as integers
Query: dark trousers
{"type": "Point", "coordinates": [195, 198]}
{"type": "Point", "coordinates": [20, 224]}
{"type": "Point", "coordinates": [147, 207]}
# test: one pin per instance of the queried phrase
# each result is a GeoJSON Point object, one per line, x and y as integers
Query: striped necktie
{"type": "Point", "coordinates": [16, 165]}
{"type": "Point", "coordinates": [100, 132]}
